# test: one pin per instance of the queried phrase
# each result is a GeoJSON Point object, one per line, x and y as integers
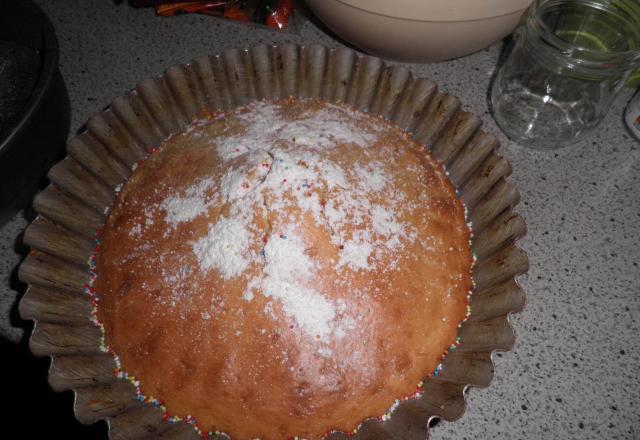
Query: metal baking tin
{"type": "Point", "coordinates": [82, 188]}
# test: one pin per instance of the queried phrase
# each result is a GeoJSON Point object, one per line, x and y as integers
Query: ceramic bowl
{"type": "Point", "coordinates": [420, 30]}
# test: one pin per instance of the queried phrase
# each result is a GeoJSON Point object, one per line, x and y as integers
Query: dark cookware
{"type": "Point", "coordinates": [33, 138]}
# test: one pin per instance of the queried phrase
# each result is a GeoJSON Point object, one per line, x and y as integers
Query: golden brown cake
{"type": "Point", "coordinates": [286, 269]}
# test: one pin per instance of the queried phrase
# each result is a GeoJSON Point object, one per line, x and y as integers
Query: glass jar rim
{"type": "Point", "coordinates": [587, 55]}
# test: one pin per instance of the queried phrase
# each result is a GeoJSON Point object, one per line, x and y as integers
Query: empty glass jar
{"type": "Point", "coordinates": [569, 60]}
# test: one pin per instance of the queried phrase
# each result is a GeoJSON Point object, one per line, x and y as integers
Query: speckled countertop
{"type": "Point", "coordinates": [575, 370]}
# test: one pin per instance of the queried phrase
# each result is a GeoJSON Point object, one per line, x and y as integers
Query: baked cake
{"type": "Point", "coordinates": [288, 268]}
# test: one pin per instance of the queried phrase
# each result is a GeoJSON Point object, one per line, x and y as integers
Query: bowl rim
{"type": "Point", "coordinates": [437, 10]}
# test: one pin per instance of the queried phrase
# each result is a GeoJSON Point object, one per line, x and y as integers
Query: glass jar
{"type": "Point", "coordinates": [569, 60]}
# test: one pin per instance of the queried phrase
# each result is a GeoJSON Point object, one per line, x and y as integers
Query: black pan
{"type": "Point", "coordinates": [33, 139]}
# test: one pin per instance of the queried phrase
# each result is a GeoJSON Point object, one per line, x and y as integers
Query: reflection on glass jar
{"type": "Point", "coordinates": [569, 60]}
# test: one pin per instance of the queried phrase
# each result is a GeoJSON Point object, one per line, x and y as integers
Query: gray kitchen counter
{"type": "Point", "coordinates": [575, 370]}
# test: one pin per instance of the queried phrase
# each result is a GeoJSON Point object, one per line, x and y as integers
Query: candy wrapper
{"type": "Point", "coordinates": [281, 15]}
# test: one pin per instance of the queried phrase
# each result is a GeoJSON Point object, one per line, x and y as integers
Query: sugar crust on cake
{"type": "Point", "coordinates": [286, 269]}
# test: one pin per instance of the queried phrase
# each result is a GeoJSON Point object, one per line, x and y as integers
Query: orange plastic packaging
{"type": "Point", "coordinates": [275, 14]}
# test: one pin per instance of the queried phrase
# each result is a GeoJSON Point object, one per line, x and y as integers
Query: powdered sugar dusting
{"type": "Point", "coordinates": [372, 175]}
{"type": "Point", "coordinates": [318, 129]}
{"type": "Point", "coordinates": [323, 129]}
{"type": "Point", "coordinates": [384, 222]}
{"type": "Point", "coordinates": [287, 275]}
{"type": "Point", "coordinates": [238, 182]}
{"type": "Point", "coordinates": [183, 209]}
{"type": "Point", "coordinates": [277, 164]}
{"type": "Point", "coordinates": [260, 118]}
{"type": "Point", "coordinates": [355, 254]}
{"type": "Point", "coordinates": [192, 205]}
{"type": "Point", "coordinates": [224, 248]}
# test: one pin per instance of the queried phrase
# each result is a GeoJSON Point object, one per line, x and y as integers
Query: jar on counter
{"type": "Point", "coordinates": [569, 61]}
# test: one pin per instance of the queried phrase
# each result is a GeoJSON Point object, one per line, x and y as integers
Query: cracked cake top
{"type": "Point", "coordinates": [285, 269]}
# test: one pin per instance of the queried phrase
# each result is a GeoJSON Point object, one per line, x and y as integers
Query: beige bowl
{"type": "Point", "coordinates": [420, 30]}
